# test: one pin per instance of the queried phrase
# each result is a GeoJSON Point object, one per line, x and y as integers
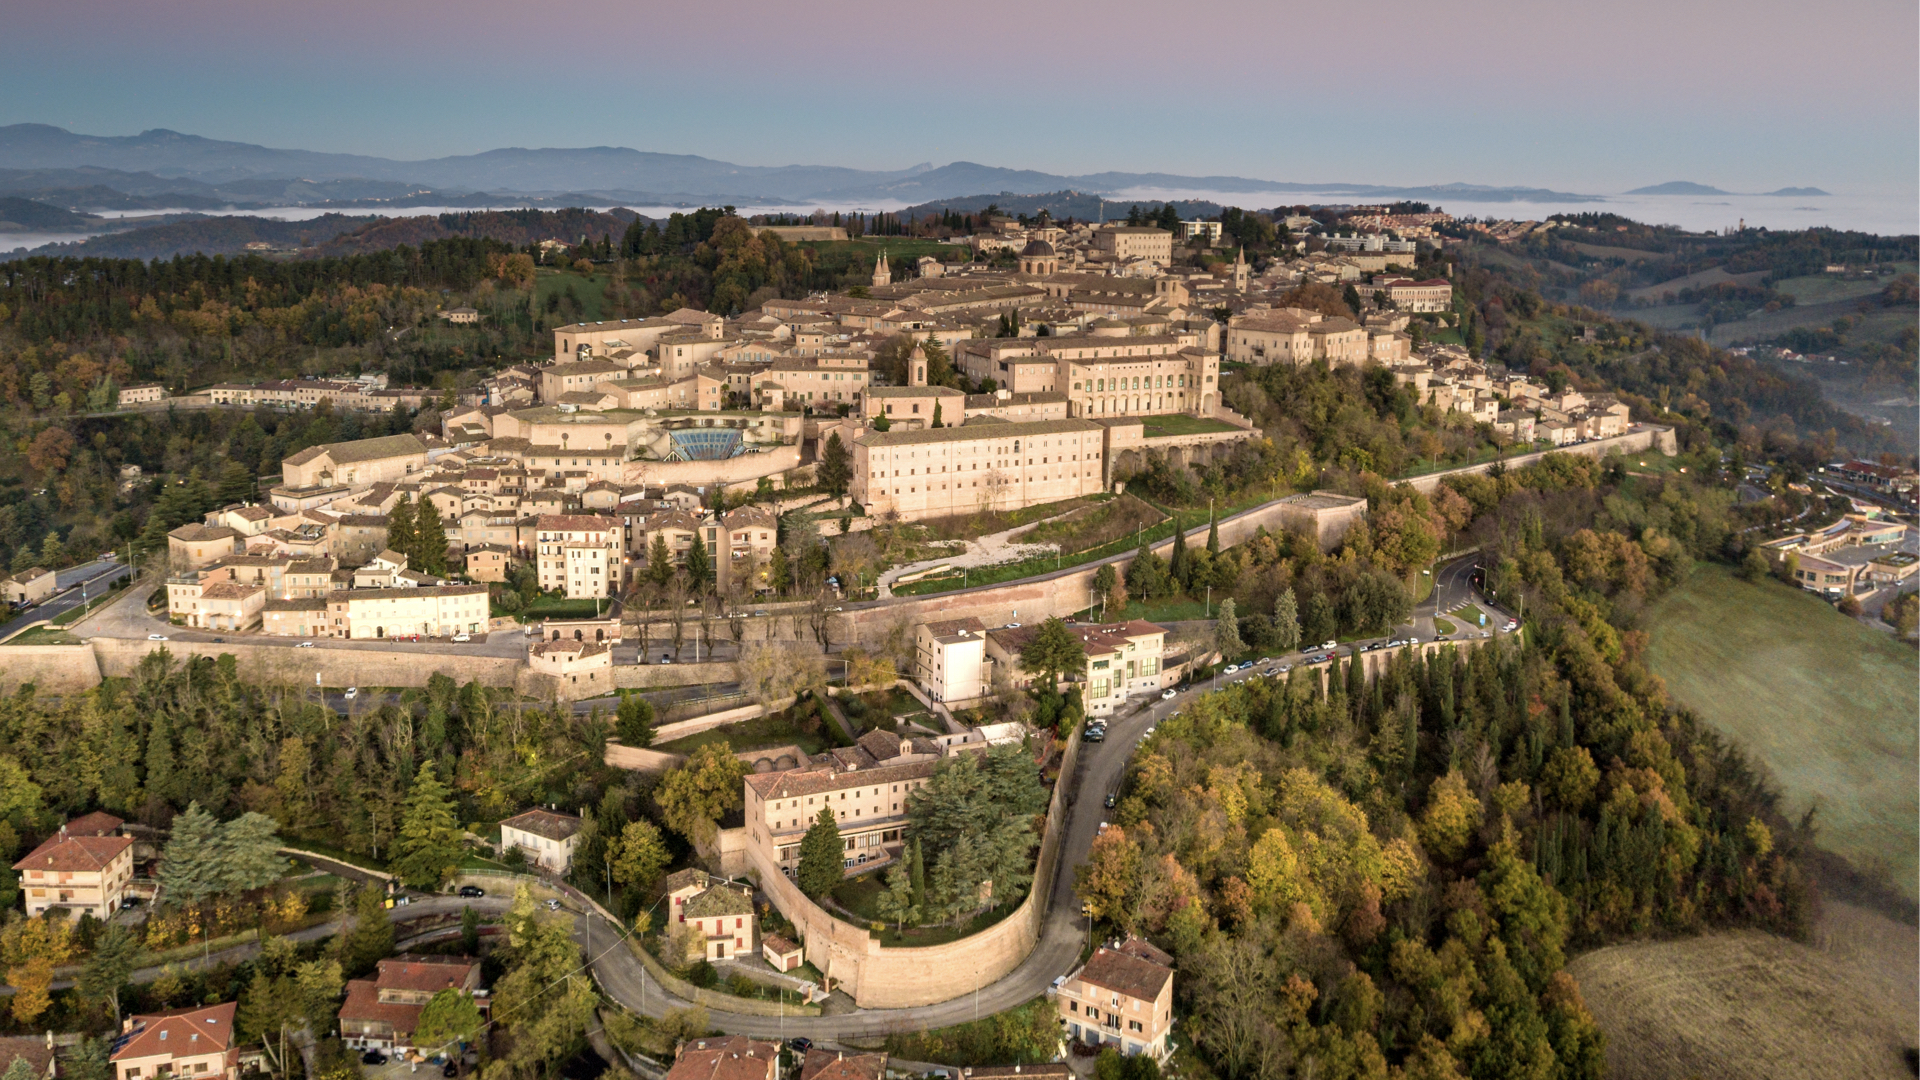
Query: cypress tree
{"type": "Point", "coordinates": [1177, 561]}
{"type": "Point", "coordinates": [918, 868]}
{"type": "Point", "coordinates": [429, 540]}
{"type": "Point", "coordinates": [822, 856]}
{"type": "Point", "coordinates": [1213, 534]}
{"type": "Point", "coordinates": [400, 531]}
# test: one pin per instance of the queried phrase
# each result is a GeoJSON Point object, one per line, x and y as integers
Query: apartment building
{"type": "Point", "coordinates": [915, 406]}
{"type": "Point", "coordinates": [633, 336]}
{"type": "Point", "coordinates": [950, 660]}
{"type": "Point", "coordinates": [1122, 659]}
{"type": "Point", "coordinates": [1127, 242]}
{"type": "Point", "coordinates": [1433, 294]}
{"type": "Point", "coordinates": [182, 1043]}
{"type": "Point", "coordinates": [581, 554]}
{"type": "Point", "coordinates": [383, 1012]}
{"type": "Point", "coordinates": [1121, 997]}
{"type": "Point", "coordinates": [84, 868]}
{"type": "Point", "coordinates": [867, 793]}
{"type": "Point", "coordinates": [546, 837]}
{"type": "Point", "coordinates": [192, 546]}
{"type": "Point", "coordinates": [434, 611]}
{"type": "Point", "coordinates": [144, 394]}
{"type": "Point", "coordinates": [981, 466]}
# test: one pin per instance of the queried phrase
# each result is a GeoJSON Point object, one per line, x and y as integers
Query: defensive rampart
{"type": "Point", "coordinates": [881, 977]}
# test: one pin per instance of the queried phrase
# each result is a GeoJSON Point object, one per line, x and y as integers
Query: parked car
{"type": "Point", "coordinates": [463, 637]}
{"type": "Point", "coordinates": [1329, 646]}
{"type": "Point", "coordinates": [800, 1044]}
{"type": "Point", "coordinates": [450, 1069]}
{"type": "Point", "coordinates": [472, 891]}
{"type": "Point", "coordinates": [373, 1057]}
{"type": "Point", "coordinates": [553, 905]}
{"type": "Point", "coordinates": [304, 645]}
{"type": "Point", "coordinates": [1167, 695]}
{"type": "Point", "coordinates": [156, 637]}
{"type": "Point", "coordinates": [1096, 734]}
{"type": "Point", "coordinates": [353, 692]}
{"type": "Point", "coordinates": [665, 659]}
{"type": "Point", "coordinates": [1112, 797]}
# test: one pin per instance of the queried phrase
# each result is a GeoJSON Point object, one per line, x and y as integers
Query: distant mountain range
{"type": "Point", "coordinates": [190, 172]}
{"type": "Point", "coordinates": [1688, 187]}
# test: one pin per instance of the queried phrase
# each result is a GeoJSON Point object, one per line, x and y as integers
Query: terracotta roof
{"type": "Point", "coordinates": [967, 434]}
{"type": "Point", "coordinates": [33, 1049]}
{"type": "Point", "coordinates": [1055, 1069]}
{"type": "Point", "coordinates": [74, 854]}
{"type": "Point", "coordinates": [786, 785]}
{"type": "Point", "coordinates": [424, 973]}
{"type": "Point", "coordinates": [780, 946]}
{"type": "Point", "coordinates": [180, 1033]}
{"type": "Point", "coordinates": [363, 1003]}
{"type": "Point", "coordinates": [1111, 969]}
{"type": "Point", "coordinates": [98, 823]}
{"type": "Point", "coordinates": [582, 522]}
{"type": "Point", "coordinates": [839, 1065]}
{"type": "Point", "coordinates": [194, 533]}
{"type": "Point", "coordinates": [541, 822]}
{"type": "Point", "coordinates": [734, 1057]}
{"type": "Point", "coordinates": [230, 590]}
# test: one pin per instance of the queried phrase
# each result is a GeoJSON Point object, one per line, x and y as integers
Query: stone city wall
{"type": "Point", "coordinates": [1659, 439]}
{"type": "Point", "coordinates": [878, 977]}
{"type": "Point", "coordinates": [52, 669]}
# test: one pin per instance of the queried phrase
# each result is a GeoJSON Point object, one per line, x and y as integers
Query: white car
{"type": "Point", "coordinates": [1230, 669]}
{"type": "Point", "coordinates": [156, 637]}
{"type": "Point", "coordinates": [1329, 646]}
{"type": "Point", "coordinates": [463, 637]}
{"type": "Point", "coordinates": [304, 645]}
{"type": "Point", "coordinates": [1511, 626]}
{"type": "Point", "coordinates": [353, 692]}
{"type": "Point", "coordinates": [1166, 695]}
{"type": "Point", "coordinates": [1013, 626]}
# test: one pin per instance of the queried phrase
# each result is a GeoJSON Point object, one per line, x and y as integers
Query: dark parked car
{"type": "Point", "coordinates": [799, 1044]}
{"type": "Point", "coordinates": [472, 890]}
{"type": "Point", "coordinates": [373, 1057]}
{"type": "Point", "coordinates": [450, 1069]}
{"type": "Point", "coordinates": [1112, 797]}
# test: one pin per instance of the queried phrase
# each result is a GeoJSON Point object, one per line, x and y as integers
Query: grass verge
{"type": "Point", "coordinates": [759, 733]}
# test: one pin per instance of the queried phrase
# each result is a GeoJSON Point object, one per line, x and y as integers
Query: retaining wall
{"type": "Point", "coordinates": [881, 977]}
{"type": "Point", "coordinates": [52, 669]}
{"type": "Point", "coordinates": [1064, 592]}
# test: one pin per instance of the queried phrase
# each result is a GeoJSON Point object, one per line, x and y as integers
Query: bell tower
{"type": "Point", "coordinates": [882, 274]}
{"type": "Point", "coordinates": [917, 367]}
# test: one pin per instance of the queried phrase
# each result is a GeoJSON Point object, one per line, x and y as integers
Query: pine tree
{"type": "Point", "coordinates": [236, 485]}
{"type": "Point", "coordinates": [401, 537]}
{"type": "Point", "coordinates": [822, 856]}
{"type": "Point", "coordinates": [428, 847]}
{"type": "Point", "coordinates": [836, 467]}
{"type": "Point", "coordinates": [659, 560]}
{"type": "Point", "coordinates": [918, 869]}
{"type": "Point", "coordinates": [429, 541]}
{"type": "Point", "coordinates": [190, 864]}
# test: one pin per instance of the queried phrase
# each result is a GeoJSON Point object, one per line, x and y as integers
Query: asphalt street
{"type": "Point", "coordinates": [74, 586]}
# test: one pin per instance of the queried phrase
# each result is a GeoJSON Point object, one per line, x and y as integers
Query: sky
{"type": "Point", "coordinates": [1746, 95]}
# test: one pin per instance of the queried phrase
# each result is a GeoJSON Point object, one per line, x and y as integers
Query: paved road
{"type": "Point", "coordinates": [418, 908]}
{"type": "Point", "coordinates": [75, 586]}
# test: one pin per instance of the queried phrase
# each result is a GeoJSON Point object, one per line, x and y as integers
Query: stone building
{"type": "Point", "coordinates": [986, 465]}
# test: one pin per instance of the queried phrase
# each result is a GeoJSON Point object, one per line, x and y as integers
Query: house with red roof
{"type": "Point", "coordinates": [86, 867]}
{"type": "Point", "coordinates": [382, 1013]}
{"type": "Point", "coordinates": [185, 1044]}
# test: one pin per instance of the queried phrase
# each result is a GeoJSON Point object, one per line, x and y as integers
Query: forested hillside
{"type": "Point", "coordinates": [1392, 873]}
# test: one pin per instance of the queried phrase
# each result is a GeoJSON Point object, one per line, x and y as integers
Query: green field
{"type": "Point", "coordinates": [589, 289]}
{"type": "Point", "coordinates": [1828, 705]}
{"type": "Point", "coordinates": [1155, 427]}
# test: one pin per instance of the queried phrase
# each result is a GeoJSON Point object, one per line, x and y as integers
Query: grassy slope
{"type": "Point", "coordinates": [591, 289]}
{"type": "Point", "coordinates": [1827, 704]}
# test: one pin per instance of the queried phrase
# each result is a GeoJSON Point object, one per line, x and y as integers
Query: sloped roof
{"type": "Point", "coordinates": [178, 1033]}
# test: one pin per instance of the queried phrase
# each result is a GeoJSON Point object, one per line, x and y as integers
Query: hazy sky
{"type": "Point", "coordinates": [1593, 97]}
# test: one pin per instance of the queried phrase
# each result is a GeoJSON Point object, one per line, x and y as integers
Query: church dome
{"type": "Point", "coordinates": [1037, 249]}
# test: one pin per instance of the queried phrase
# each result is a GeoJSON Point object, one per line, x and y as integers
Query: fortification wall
{"type": "Point", "coordinates": [1659, 439]}
{"type": "Point", "coordinates": [892, 978]}
{"type": "Point", "coordinates": [280, 664]}
{"type": "Point", "coordinates": [746, 468]}
{"type": "Point", "coordinates": [52, 669]}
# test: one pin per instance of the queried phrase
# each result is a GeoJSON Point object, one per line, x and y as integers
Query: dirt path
{"type": "Point", "coordinates": [1746, 1004]}
{"type": "Point", "coordinates": [989, 550]}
